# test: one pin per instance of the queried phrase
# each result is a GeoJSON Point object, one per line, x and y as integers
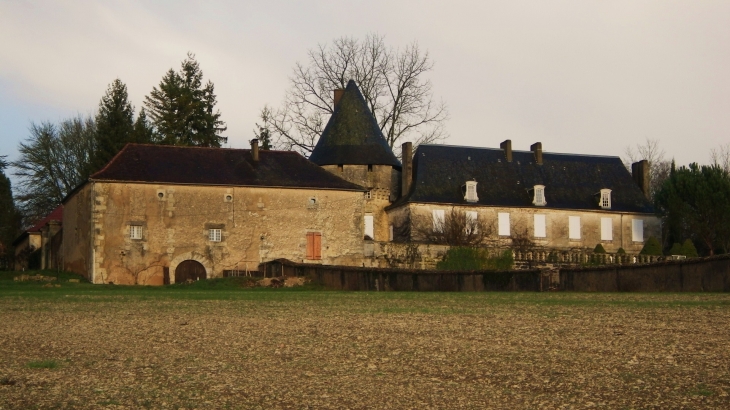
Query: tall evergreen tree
{"type": "Point", "coordinates": [114, 124]}
{"type": "Point", "coordinates": [143, 132]}
{"type": "Point", "coordinates": [9, 217]}
{"type": "Point", "coordinates": [182, 109]}
{"type": "Point", "coordinates": [693, 202]}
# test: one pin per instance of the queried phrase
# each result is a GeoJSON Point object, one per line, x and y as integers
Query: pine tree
{"type": "Point", "coordinates": [182, 110]}
{"type": "Point", "coordinates": [114, 124]}
{"type": "Point", "coordinates": [143, 132]}
{"type": "Point", "coordinates": [9, 217]}
{"type": "Point", "coordinates": [688, 249]}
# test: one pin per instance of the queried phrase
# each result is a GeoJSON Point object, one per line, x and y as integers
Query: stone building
{"type": "Point", "coordinates": [528, 199]}
{"type": "Point", "coordinates": [39, 246]}
{"type": "Point", "coordinates": [161, 214]}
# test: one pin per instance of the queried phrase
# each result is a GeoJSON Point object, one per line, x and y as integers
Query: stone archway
{"type": "Point", "coordinates": [190, 256]}
{"type": "Point", "coordinates": [189, 270]}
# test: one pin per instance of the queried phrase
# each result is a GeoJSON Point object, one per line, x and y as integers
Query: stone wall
{"type": "Point", "coordinates": [557, 226]}
{"type": "Point", "coordinates": [77, 236]}
{"type": "Point", "coordinates": [257, 224]}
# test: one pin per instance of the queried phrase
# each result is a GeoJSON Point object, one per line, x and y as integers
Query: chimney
{"type": "Point", "coordinates": [640, 172]}
{"type": "Point", "coordinates": [255, 149]}
{"type": "Point", "coordinates": [407, 172]}
{"type": "Point", "coordinates": [536, 149]}
{"type": "Point", "coordinates": [506, 146]}
{"type": "Point", "coordinates": [338, 96]}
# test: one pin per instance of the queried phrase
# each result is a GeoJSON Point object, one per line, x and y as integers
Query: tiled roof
{"type": "Point", "coordinates": [352, 135]}
{"type": "Point", "coordinates": [217, 166]}
{"type": "Point", "coordinates": [571, 181]}
{"type": "Point", "coordinates": [55, 215]}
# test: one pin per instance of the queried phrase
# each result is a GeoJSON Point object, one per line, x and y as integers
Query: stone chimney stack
{"type": "Point", "coordinates": [536, 149]}
{"type": "Point", "coordinates": [255, 149]}
{"type": "Point", "coordinates": [640, 172]}
{"type": "Point", "coordinates": [506, 146]}
{"type": "Point", "coordinates": [407, 172]}
{"type": "Point", "coordinates": [337, 97]}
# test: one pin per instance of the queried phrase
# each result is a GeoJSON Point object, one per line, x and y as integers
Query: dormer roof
{"type": "Point", "coordinates": [352, 135]}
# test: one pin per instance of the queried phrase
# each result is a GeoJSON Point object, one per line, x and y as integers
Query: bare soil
{"type": "Point", "coordinates": [283, 349]}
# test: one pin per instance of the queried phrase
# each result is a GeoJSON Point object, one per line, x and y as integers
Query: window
{"type": "Point", "coordinates": [228, 198]}
{"type": "Point", "coordinates": [574, 227]}
{"type": "Point", "coordinates": [369, 195]}
{"type": "Point", "coordinates": [214, 235]}
{"type": "Point", "coordinates": [539, 198]}
{"type": "Point", "coordinates": [471, 222]}
{"type": "Point", "coordinates": [369, 227]}
{"type": "Point", "coordinates": [438, 220]}
{"type": "Point", "coordinates": [135, 232]}
{"type": "Point", "coordinates": [370, 167]}
{"type": "Point", "coordinates": [471, 192]}
{"type": "Point", "coordinates": [637, 230]}
{"type": "Point", "coordinates": [314, 245]}
{"type": "Point", "coordinates": [540, 227]}
{"type": "Point", "coordinates": [605, 199]}
{"type": "Point", "coordinates": [312, 202]}
{"type": "Point", "coordinates": [340, 167]}
{"type": "Point", "coordinates": [606, 229]}
{"type": "Point", "coordinates": [503, 220]}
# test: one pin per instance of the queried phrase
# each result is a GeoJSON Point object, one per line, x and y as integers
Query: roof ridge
{"type": "Point", "coordinates": [520, 151]}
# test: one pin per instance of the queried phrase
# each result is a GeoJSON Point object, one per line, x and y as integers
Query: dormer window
{"type": "Point", "coordinates": [470, 195]}
{"type": "Point", "coordinates": [539, 198]}
{"type": "Point", "coordinates": [605, 201]}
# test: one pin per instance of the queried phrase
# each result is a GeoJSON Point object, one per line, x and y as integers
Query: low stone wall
{"type": "Point", "coordinates": [692, 275]}
{"type": "Point", "coordinates": [710, 274]}
{"type": "Point", "coordinates": [385, 279]}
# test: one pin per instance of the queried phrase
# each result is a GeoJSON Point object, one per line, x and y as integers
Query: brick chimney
{"type": "Point", "coordinates": [337, 97]}
{"type": "Point", "coordinates": [255, 149]}
{"type": "Point", "coordinates": [506, 146]}
{"type": "Point", "coordinates": [407, 172]}
{"type": "Point", "coordinates": [536, 149]}
{"type": "Point", "coordinates": [640, 172]}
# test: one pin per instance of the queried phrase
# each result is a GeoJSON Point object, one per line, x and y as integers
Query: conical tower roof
{"type": "Point", "coordinates": [352, 135]}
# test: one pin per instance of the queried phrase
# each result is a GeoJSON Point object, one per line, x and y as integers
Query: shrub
{"type": "Point", "coordinates": [599, 249]}
{"type": "Point", "coordinates": [651, 247]}
{"type": "Point", "coordinates": [43, 364]}
{"type": "Point", "coordinates": [466, 258]}
{"type": "Point", "coordinates": [676, 250]}
{"type": "Point", "coordinates": [688, 249]}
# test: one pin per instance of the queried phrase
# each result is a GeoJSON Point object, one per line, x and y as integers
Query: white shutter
{"type": "Point", "coordinates": [471, 221]}
{"type": "Point", "coordinates": [540, 229]}
{"type": "Point", "coordinates": [574, 227]}
{"type": "Point", "coordinates": [637, 230]}
{"type": "Point", "coordinates": [503, 224]}
{"type": "Point", "coordinates": [438, 220]}
{"type": "Point", "coordinates": [606, 229]}
{"type": "Point", "coordinates": [369, 227]}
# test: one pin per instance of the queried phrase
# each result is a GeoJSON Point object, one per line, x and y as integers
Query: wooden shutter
{"type": "Point", "coordinates": [314, 245]}
{"type": "Point", "coordinates": [317, 245]}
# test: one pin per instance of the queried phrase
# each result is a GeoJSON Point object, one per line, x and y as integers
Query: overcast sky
{"type": "Point", "coordinates": [588, 77]}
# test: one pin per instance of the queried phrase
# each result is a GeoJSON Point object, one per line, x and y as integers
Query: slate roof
{"type": "Point", "coordinates": [352, 135]}
{"type": "Point", "coordinates": [571, 181]}
{"type": "Point", "coordinates": [217, 166]}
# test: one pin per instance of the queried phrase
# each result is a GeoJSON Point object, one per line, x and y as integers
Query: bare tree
{"type": "Point", "coordinates": [659, 167]}
{"type": "Point", "coordinates": [720, 156]}
{"type": "Point", "coordinates": [392, 82]}
{"type": "Point", "coordinates": [54, 160]}
{"type": "Point", "coordinates": [456, 228]}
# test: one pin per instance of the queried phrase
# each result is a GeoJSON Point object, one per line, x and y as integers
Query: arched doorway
{"type": "Point", "coordinates": [189, 269]}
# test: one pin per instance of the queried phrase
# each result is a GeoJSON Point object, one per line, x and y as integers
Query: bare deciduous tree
{"type": "Point", "coordinates": [456, 228]}
{"type": "Point", "coordinates": [392, 81]}
{"type": "Point", "coordinates": [659, 167]}
{"type": "Point", "coordinates": [720, 156]}
{"type": "Point", "coordinates": [54, 160]}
